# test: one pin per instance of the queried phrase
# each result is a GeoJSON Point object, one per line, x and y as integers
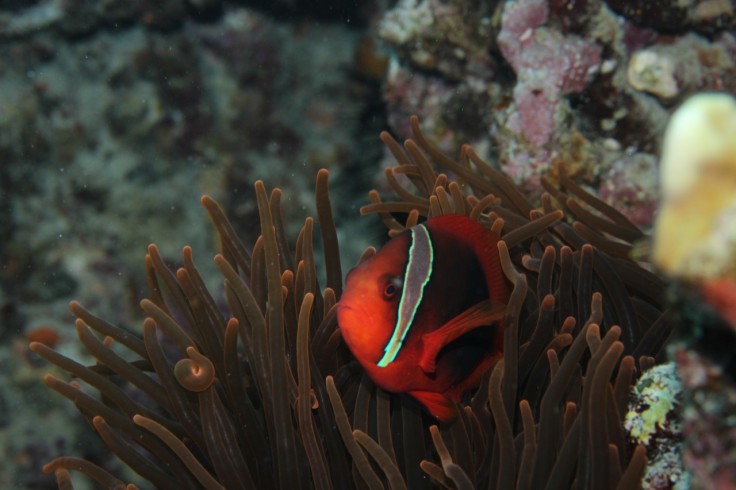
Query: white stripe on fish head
{"type": "Point", "coordinates": [416, 276]}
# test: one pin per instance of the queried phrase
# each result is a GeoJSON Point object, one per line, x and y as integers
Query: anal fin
{"type": "Point", "coordinates": [437, 404]}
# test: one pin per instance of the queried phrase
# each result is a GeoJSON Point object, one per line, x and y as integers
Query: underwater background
{"type": "Point", "coordinates": [116, 116]}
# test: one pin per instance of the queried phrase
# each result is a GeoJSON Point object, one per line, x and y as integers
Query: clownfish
{"type": "Point", "coordinates": [424, 315]}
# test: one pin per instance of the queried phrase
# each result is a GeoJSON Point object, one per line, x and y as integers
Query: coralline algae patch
{"type": "Point", "coordinates": [654, 398]}
{"type": "Point", "coordinates": [653, 421]}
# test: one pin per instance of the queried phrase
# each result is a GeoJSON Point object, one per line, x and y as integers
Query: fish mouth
{"type": "Point", "coordinates": [342, 309]}
{"type": "Point", "coordinates": [352, 312]}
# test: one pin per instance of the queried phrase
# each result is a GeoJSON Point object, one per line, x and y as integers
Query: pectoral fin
{"type": "Point", "coordinates": [436, 404]}
{"type": "Point", "coordinates": [476, 316]}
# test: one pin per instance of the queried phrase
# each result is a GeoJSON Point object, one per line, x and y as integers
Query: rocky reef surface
{"type": "Point", "coordinates": [537, 82]}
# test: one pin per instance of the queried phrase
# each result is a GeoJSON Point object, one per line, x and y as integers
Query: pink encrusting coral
{"type": "Point", "coordinates": [631, 184]}
{"type": "Point", "coordinates": [557, 63]}
{"type": "Point", "coordinates": [549, 66]}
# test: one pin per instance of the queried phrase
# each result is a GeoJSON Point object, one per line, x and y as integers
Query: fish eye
{"type": "Point", "coordinates": [392, 288]}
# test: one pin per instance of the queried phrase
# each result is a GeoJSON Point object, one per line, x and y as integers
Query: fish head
{"type": "Point", "coordinates": [368, 306]}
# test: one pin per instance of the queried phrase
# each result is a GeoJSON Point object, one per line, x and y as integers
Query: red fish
{"type": "Point", "coordinates": [424, 315]}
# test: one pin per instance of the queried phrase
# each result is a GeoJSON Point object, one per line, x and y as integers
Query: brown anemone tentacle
{"type": "Point", "coordinates": [221, 440]}
{"type": "Point", "coordinates": [382, 458]}
{"type": "Point", "coordinates": [383, 423]}
{"type": "Point", "coordinates": [312, 445]}
{"type": "Point", "coordinates": [529, 452]}
{"type": "Point", "coordinates": [328, 232]}
{"type": "Point", "coordinates": [341, 419]}
{"type": "Point", "coordinates": [283, 435]}
{"type": "Point", "coordinates": [261, 392]}
{"type": "Point", "coordinates": [451, 470]}
{"type": "Point", "coordinates": [192, 463]}
{"type": "Point", "coordinates": [133, 457]}
{"type": "Point", "coordinates": [119, 365]}
{"type": "Point", "coordinates": [233, 247]}
{"type": "Point", "coordinates": [90, 469]}
{"type": "Point", "coordinates": [106, 329]}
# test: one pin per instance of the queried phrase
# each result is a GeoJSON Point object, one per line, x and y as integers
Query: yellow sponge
{"type": "Point", "coordinates": [695, 236]}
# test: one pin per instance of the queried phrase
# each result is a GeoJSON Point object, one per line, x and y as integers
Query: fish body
{"type": "Point", "coordinates": [424, 315]}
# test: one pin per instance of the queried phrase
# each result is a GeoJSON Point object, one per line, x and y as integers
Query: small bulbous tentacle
{"type": "Point", "coordinates": [196, 373]}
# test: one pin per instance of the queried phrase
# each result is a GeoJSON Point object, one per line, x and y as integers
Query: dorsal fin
{"type": "Point", "coordinates": [484, 243]}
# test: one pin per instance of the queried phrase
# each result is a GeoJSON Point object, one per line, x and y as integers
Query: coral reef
{"type": "Point", "coordinates": [116, 115]}
{"type": "Point", "coordinates": [584, 82]}
{"type": "Point", "coordinates": [548, 66]}
{"type": "Point", "coordinates": [694, 243]}
{"type": "Point", "coordinates": [685, 66]}
{"type": "Point", "coordinates": [240, 399]}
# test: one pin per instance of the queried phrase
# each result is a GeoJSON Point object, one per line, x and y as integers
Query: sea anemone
{"type": "Point", "coordinates": [267, 396]}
